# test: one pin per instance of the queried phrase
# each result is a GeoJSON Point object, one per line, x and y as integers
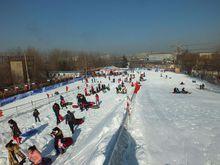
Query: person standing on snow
{"type": "Point", "coordinates": [36, 114]}
{"type": "Point", "coordinates": [97, 99]}
{"type": "Point", "coordinates": [56, 109]}
{"type": "Point", "coordinates": [15, 131]}
{"type": "Point", "coordinates": [70, 120]}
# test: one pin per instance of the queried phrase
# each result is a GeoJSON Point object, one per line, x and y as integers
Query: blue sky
{"type": "Point", "coordinates": [118, 26]}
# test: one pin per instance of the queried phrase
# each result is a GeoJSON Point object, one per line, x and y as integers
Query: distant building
{"type": "Point", "coordinates": [146, 58]}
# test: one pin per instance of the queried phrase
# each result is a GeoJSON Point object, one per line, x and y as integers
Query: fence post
{"type": "Point", "coordinates": [16, 110]}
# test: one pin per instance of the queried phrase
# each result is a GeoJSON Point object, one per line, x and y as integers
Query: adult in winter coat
{"type": "Point", "coordinates": [15, 131]}
{"type": "Point", "coordinates": [36, 114]}
{"type": "Point", "coordinates": [70, 120]}
{"type": "Point", "coordinates": [14, 154]}
{"type": "Point", "coordinates": [56, 109]}
{"type": "Point", "coordinates": [58, 137]}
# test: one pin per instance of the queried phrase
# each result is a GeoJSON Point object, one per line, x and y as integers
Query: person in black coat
{"type": "Point", "coordinates": [70, 120]}
{"type": "Point", "coordinates": [56, 109]}
{"type": "Point", "coordinates": [15, 131]}
{"type": "Point", "coordinates": [36, 114]}
{"type": "Point", "coordinates": [58, 136]}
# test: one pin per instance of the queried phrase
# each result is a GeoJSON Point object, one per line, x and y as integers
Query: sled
{"type": "Point", "coordinates": [75, 106]}
{"type": "Point", "coordinates": [181, 93]}
{"type": "Point", "coordinates": [67, 142]}
{"type": "Point", "coordinates": [60, 117]}
{"type": "Point", "coordinates": [79, 121]}
{"type": "Point", "coordinates": [91, 104]}
{"type": "Point", "coordinates": [69, 103]}
{"type": "Point", "coordinates": [95, 106]}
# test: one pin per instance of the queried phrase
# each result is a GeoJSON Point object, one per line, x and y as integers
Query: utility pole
{"type": "Point", "coordinates": [27, 74]}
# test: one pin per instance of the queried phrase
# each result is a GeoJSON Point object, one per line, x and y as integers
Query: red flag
{"type": "Point", "coordinates": [137, 87]}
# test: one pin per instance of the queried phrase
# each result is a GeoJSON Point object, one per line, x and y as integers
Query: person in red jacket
{"type": "Point", "coordinates": [56, 109]}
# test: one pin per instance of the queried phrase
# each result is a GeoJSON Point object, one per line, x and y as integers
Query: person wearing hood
{"type": "Point", "coordinates": [57, 134]}
{"type": "Point", "coordinates": [15, 131]}
{"type": "Point", "coordinates": [14, 154]}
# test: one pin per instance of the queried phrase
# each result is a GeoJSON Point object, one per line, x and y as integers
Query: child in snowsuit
{"type": "Point", "coordinates": [14, 153]}
{"type": "Point", "coordinates": [15, 131]}
{"type": "Point", "coordinates": [36, 115]}
{"type": "Point", "coordinates": [36, 158]}
{"type": "Point", "coordinates": [56, 109]}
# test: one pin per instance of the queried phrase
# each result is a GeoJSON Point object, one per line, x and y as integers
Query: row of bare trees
{"type": "Point", "coordinates": [41, 63]}
{"type": "Point", "coordinates": [189, 61]}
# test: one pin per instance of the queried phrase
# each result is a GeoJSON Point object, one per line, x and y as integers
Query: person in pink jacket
{"type": "Point", "coordinates": [34, 155]}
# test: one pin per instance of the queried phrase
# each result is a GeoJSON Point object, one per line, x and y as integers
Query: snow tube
{"type": "Point", "coordinates": [75, 106]}
{"type": "Point", "coordinates": [67, 142]}
{"type": "Point", "coordinates": [95, 107]}
{"type": "Point", "coordinates": [79, 121]}
{"type": "Point", "coordinates": [91, 104]}
{"type": "Point", "coordinates": [60, 117]}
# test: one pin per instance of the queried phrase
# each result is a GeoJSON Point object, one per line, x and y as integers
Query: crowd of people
{"type": "Point", "coordinates": [61, 143]}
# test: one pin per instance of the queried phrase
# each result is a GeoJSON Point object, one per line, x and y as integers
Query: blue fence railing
{"type": "Point", "coordinates": [33, 92]}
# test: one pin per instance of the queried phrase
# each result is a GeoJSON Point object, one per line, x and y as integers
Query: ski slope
{"type": "Point", "coordinates": [176, 129]}
{"type": "Point", "coordinates": [164, 128]}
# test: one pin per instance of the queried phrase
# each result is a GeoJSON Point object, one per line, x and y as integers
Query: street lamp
{"type": "Point", "coordinates": [27, 74]}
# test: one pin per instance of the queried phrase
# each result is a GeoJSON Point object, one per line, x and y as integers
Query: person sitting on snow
{"type": "Point", "coordinates": [202, 86]}
{"type": "Point", "coordinates": [176, 90]}
{"type": "Point", "coordinates": [182, 83]}
{"type": "Point", "coordinates": [14, 154]}
{"type": "Point", "coordinates": [184, 91]}
{"type": "Point", "coordinates": [82, 102]}
{"type": "Point", "coordinates": [63, 103]}
{"type": "Point", "coordinates": [15, 131]}
{"type": "Point", "coordinates": [57, 134]}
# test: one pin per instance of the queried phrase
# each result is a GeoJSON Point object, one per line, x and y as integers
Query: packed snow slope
{"type": "Point", "coordinates": [90, 138]}
{"type": "Point", "coordinates": [163, 129]}
{"type": "Point", "coordinates": [175, 129]}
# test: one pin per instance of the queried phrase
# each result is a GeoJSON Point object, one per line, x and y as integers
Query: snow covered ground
{"type": "Point", "coordinates": [176, 129]}
{"type": "Point", "coordinates": [164, 128]}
